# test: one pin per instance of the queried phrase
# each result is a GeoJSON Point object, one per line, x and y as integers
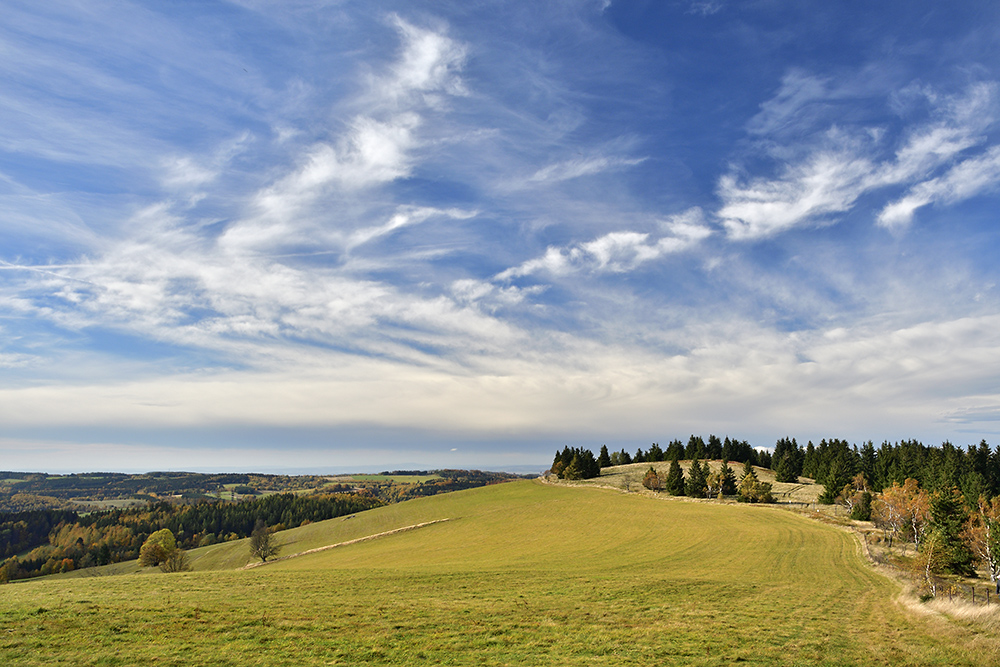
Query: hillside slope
{"type": "Point", "coordinates": [523, 573]}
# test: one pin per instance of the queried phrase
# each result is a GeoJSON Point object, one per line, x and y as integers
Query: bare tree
{"type": "Point", "coordinates": [262, 544]}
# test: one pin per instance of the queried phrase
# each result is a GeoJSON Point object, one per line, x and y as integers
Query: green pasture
{"type": "Point", "coordinates": [522, 574]}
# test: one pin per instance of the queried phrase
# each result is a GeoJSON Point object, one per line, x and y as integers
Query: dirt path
{"type": "Point", "coordinates": [344, 544]}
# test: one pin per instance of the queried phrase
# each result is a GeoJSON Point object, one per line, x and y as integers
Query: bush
{"type": "Point", "coordinates": [752, 490]}
{"type": "Point", "coordinates": [651, 480]}
{"type": "Point", "coordinates": [177, 561]}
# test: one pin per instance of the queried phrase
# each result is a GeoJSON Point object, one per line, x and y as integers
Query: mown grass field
{"type": "Point", "coordinates": [523, 574]}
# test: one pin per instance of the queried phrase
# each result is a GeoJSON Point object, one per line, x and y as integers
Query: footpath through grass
{"type": "Point", "coordinates": [524, 574]}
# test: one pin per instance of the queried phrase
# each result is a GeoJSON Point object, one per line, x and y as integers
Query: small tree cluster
{"type": "Point", "coordinates": [575, 463]}
{"type": "Point", "coordinates": [721, 483]}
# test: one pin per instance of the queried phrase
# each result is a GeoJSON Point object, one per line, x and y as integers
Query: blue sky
{"type": "Point", "coordinates": [256, 235]}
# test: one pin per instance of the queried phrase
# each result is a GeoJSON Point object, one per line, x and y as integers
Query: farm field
{"type": "Point", "coordinates": [522, 573]}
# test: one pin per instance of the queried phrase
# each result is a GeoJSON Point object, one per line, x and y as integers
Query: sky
{"type": "Point", "coordinates": [332, 235]}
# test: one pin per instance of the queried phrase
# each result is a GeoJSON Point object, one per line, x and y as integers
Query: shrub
{"type": "Point", "coordinates": [651, 480]}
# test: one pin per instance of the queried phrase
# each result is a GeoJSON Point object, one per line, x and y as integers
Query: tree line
{"type": "Point", "coordinates": [73, 541]}
{"type": "Point", "coordinates": [700, 482]}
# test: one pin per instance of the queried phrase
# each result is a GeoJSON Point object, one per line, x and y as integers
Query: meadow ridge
{"type": "Point", "coordinates": [523, 573]}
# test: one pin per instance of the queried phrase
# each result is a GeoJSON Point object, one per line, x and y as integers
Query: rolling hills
{"type": "Point", "coordinates": [522, 573]}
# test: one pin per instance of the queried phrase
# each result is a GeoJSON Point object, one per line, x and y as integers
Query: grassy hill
{"type": "Point", "coordinates": [523, 573]}
{"type": "Point", "coordinates": [629, 477]}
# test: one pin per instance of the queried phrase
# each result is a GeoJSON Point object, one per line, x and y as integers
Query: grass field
{"type": "Point", "coordinates": [523, 574]}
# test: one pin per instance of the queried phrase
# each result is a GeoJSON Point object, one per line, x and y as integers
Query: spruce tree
{"type": "Point", "coordinates": [728, 479]}
{"type": "Point", "coordinates": [948, 516]}
{"type": "Point", "coordinates": [674, 483]}
{"type": "Point", "coordinates": [697, 480]}
{"type": "Point", "coordinates": [862, 511]}
{"type": "Point", "coordinates": [784, 470]}
{"type": "Point", "coordinates": [604, 459]}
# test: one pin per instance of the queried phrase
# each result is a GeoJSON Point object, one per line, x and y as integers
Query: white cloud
{"type": "Point", "coordinates": [705, 7]}
{"type": "Point", "coordinates": [798, 90]}
{"type": "Point", "coordinates": [404, 217]}
{"type": "Point", "coordinates": [843, 166]}
{"type": "Point", "coordinates": [616, 252]}
{"type": "Point", "coordinates": [427, 66]}
{"type": "Point", "coordinates": [570, 169]}
{"type": "Point", "coordinates": [828, 182]}
{"type": "Point", "coordinates": [966, 179]}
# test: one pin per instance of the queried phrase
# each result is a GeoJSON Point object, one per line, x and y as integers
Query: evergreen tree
{"type": "Point", "coordinates": [728, 479]}
{"type": "Point", "coordinates": [604, 460]}
{"type": "Point", "coordinates": [651, 480]}
{"type": "Point", "coordinates": [674, 483]}
{"type": "Point", "coordinates": [574, 470]}
{"type": "Point", "coordinates": [697, 481]}
{"type": "Point", "coordinates": [654, 454]}
{"type": "Point", "coordinates": [862, 511]}
{"type": "Point", "coordinates": [695, 448]}
{"type": "Point", "coordinates": [809, 461]}
{"type": "Point", "coordinates": [838, 475]}
{"type": "Point", "coordinates": [713, 450]}
{"type": "Point", "coordinates": [675, 450]}
{"type": "Point", "coordinates": [948, 516]}
{"type": "Point", "coordinates": [762, 458]}
{"type": "Point", "coordinates": [784, 471]}
{"type": "Point", "coordinates": [748, 471]}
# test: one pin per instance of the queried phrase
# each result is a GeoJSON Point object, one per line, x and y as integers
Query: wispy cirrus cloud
{"type": "Point", "coordinates": [232, 288]}
{"type": "Point", "coordinates": [966, 179]}
{"type": "Point", "coordinates": [616, 252]}
{"type": "Point", "coordinates": [570, 169]}
{"type": "Point", "coordinates": [843, 165]}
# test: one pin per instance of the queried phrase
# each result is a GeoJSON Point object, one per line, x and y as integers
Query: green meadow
{"type": "Point", "coordinates": [522, 573]}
